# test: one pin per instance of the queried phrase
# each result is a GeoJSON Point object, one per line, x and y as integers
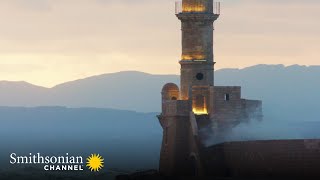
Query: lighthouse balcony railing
{"type": "Point", "coordinates": [196, 7]}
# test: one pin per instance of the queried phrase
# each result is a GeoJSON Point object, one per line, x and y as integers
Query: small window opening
{"type": "Point", "coordinates": [227, 97]}
{"type": "Point", "coordinates": [174, 98]}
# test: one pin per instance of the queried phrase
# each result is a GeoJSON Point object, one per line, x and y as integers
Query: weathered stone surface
{"type": "Point", "coordinates": [278, 158]}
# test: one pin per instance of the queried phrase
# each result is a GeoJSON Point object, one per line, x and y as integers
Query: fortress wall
{"type": "Point", "coordinates": [231, 110]}
{"type": "Point", "coordinates": [176, 107]}
{"type": "Point", "coordinates": [233, 91]}
{"type": "Point", "coordinates": [275, 158]}
{"type": "Point", "coordinates": [175, 144]}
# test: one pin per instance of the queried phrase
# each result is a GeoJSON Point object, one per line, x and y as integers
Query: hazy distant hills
{"type": "Point", "coordinates": [291, 93]}
{"type": "Point", "coordinates": [124, 90]}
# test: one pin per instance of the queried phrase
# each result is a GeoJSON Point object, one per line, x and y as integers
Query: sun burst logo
{"type": "Point", "coordinates": [95, 162]}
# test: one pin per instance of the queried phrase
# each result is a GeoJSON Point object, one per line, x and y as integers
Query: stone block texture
{"type": "Point", "coordinates": [274, 158]}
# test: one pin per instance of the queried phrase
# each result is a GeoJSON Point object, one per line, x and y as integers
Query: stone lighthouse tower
{"type": "Point", "coordinates": [197, 62]}
{"type": "Point", "coordinates": [198, 109]}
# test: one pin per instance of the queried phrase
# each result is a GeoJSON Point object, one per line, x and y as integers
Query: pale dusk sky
{"type": "Point", "coordinates": [47, 42]}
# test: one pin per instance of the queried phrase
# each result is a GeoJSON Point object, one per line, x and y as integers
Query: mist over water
{"type": "Point", "coordinates": [268, 129]}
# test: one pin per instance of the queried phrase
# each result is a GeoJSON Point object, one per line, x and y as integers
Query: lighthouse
{"type": "Point", "coordinates": [197, 109]}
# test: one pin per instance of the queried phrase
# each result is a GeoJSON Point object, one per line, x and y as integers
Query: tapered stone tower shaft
{"type": "Point", "coordinates": [197, 62]}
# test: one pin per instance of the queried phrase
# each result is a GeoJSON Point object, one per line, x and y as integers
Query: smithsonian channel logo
{"type": "Point", "coordinates": [94, 162]}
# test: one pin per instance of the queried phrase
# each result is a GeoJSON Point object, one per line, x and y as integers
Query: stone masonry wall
{"type": "Point", "coordinates": [274, 158]}
{"type": "Point", "coordinates": [230, 109]}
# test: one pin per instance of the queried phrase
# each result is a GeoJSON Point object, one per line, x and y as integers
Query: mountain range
{"type": "Point", "coordinates": [288, 93]}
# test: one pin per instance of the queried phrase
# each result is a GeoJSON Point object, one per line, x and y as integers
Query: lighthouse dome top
{"type": "Point", "coordinates": [170, 87]}
{"type": "Point", "coordinates": [197, 6]}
